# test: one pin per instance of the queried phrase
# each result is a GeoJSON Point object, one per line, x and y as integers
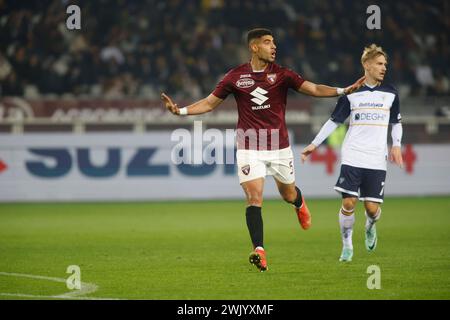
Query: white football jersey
{"type": "Point", "coordinates": [370, 110]}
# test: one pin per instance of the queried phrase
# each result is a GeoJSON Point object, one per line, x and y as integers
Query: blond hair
{"type": "Point", "coordinates": [371, 52]}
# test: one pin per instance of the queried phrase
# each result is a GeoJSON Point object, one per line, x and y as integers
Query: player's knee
{"type": "Point", "coordinates": [254, 199]}
{"type": "Point", "coordinates": [349, 203]}
{"type": "Point", "coordinates": [289, 196]}
{"type": "Point", "coordinates": [371, 208]}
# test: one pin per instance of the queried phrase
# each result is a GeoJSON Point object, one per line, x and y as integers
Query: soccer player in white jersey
{"type": "Point", "coordinates": [364, 152]}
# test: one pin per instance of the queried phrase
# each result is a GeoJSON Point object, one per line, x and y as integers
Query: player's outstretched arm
{"type": "Point", "coordinates": [202, 106]}
{"type": "Point", "coordinates": [320, 90]}
{"type": "Point", "coordinates": [324, 132]}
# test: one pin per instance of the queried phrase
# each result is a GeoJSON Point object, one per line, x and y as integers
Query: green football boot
{"type": "Point", "coordinates": [371, 239]}
{"type": "Point", "coordinates": [346, 255]}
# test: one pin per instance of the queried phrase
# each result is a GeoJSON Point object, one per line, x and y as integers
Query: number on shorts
{"type": "Point", "coordinates": [382, 188]}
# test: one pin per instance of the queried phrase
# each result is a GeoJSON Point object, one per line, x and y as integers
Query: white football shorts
{"type": "Point", "coordinates": [254, 164]}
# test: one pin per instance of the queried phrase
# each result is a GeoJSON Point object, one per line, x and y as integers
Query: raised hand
{"type": "Point", "coordinates": [170, 105]}
{"type": "Point", "coordinates": [355, 86]}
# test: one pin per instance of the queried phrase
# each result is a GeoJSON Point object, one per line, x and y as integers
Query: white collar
{"type": "Point", "coordinates": [370, 86]}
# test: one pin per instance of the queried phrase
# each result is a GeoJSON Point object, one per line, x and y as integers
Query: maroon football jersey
{"type": "Point", "coordinates": [261, 101]}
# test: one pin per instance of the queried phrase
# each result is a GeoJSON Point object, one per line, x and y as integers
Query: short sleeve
{"type": "Point", "coordinates": [395, 116]}
{"type": "Point", "coordinates": [224, 87]}
{"type": "Point", "coordinates": [293, 79]}
{"type": "Point", "coordinates": [341, 111]}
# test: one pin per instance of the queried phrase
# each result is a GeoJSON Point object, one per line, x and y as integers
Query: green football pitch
{"type": "Point", "coordinates": [199, 250]}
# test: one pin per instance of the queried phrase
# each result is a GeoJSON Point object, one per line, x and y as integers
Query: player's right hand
{"type": "Point", "coordinates": [307, 151]}
{"type": "Point", "coordinates": [358, 84]}
{"type": "Point", "coordinates": [172, 107]}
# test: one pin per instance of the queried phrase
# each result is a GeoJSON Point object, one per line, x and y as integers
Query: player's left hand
{"type": "Point", "coordinates": [396, 157]}
{"type": "Point", "coordinates": [355, 86]}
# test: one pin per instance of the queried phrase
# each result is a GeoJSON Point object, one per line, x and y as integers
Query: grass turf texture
{"type": "Point", "coordinates": [199, 250]}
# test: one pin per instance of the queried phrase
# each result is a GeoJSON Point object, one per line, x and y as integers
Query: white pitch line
{"type": "Point", "coordinates": [86, 288]}
{"type": "Point", "coordinates": [52, 297]}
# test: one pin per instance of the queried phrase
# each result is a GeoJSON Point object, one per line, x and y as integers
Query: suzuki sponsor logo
{"type": "Point", "coordinates": [265, 106]}
{"type": "Point", "coordinates": [259, 96]}
{"type": "Point", "coordinates": [54, 163]}
{"type": "Point", "coordinates": [245, 83]}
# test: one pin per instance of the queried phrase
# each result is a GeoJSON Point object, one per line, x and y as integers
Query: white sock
{"type": "Point", "coordinates": [370, 221]}
{"type": "Point", "coordinates": [259, 248]}
{"type": "Point", "coordinates": [346, 225]}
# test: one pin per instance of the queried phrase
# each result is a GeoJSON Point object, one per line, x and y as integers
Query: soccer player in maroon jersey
{"type": "Point", "coordinates": [260, 88]}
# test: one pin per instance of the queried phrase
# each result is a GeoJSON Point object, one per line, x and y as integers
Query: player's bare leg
{"type": "Point", "coordinates": [293, 195]}
{"type": "Point", "coordinates": [346, 222]}
{"type": "Point", "coordinates": [373, 213]}
{"type": "Point", "coordinates": [254, 193]}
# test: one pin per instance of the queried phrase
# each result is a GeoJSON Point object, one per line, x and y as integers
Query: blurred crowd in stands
{"type": "Point", "coordinates": [139, 48]}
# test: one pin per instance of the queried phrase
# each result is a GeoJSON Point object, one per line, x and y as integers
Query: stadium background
{"type": "Point", "coordinates": [81, 120]}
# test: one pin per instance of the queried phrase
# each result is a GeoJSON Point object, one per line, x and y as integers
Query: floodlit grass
{"type": "Point", "coordinates": [199, 250]}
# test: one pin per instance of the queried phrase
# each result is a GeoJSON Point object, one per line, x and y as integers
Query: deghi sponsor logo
{"type": "Point", "coordinates": [245, 83]}
{"type": "Point", "coordinates": [259, 95]}
{"type": "Point", "coordinates": [370, 116]}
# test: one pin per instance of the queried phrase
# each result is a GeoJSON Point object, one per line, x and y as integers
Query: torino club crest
{"type": "Point", "coordinates": [271, 77]}
{"type": "Point", "coordinates": [246, 169]}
